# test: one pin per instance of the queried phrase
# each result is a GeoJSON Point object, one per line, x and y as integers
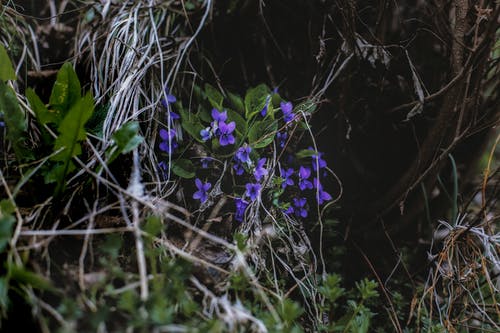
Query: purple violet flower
{"type": "Point", "coordinates": [205, 161]}
{"type": "Point", "coordinates": [321, 195]}
{"type": "Point", "coordinates": [169, 100]}
{"type": "Point", "coordinates": [317, 160]}
{"type": "Point", "coordinates": [299, 204]}
{"type": "Point", "coordinates": [241, 206]}
{"type": "Point", "coordinates": [263, 112]}
{"type": "Point", "coordinates": [206, 134]}
{"type": "Point", "coordinates": [201, 194]}
{"type": "Point", "coordinates": [260, 171]}
{"type": "Point", "coordinates": [282, 137]}
{"type": "Point", "coordinates": [290, 210]}
{"type": "Point", "coordinates": [238, 168]}
{"type": "Point", "coordinates": [225, 130]}
{"type": "Point", "coordinates": [304, 174]}
{"type": "Point", "coordinates": [173, 115]}
{"type": "Point", "coordinates": [287, 177]}
{"type": "Point", "coordinates": [243, 154]}
{"type": "Point", "coordinates": [219, 116]}
{"type": "Point", "coordinates": [252, 191]}
{"type": "Point", "coordinates": [163, 166]}
{"type": "Point", "coordinates": [167, 134]}
{"type": "Point", "coordinates": [169, 144]}
{"type": "Point", "coordinates": [287, 109]}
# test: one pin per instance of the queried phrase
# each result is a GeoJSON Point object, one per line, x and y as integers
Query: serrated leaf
{"type": "Point", "coordinates": [262, 133]}
{"type": "Point", "coordinates": [67, 90]}
{"type": "Point", "coordinates": [42, 113]}
{"type": "Point", "coordinates": [236, 103]}
{"type": "Point", "coordinates": [71, 133]}
{"type": "Point", "coordinates": [14, 120]}
{"type": "Point", "coordinates": [7, 71]}
{"type": "Point", "coordinates": [255, 100]}
{"type": "Point", "coordinates": [214, 96]}
{"type": "Point", "coordinates": [183, 168]}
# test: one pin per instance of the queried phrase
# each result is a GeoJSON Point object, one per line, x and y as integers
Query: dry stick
{"type": "Point", "coordinates": [83, 253]}
{"type": "Point", "coordinates": [486, 175]}
{"type": "Point", "coordinates": [137, 189]}
{"type": "Point", "coordinates": [74, 232]}
{"type": "Point", "coordinates": [213, 214]}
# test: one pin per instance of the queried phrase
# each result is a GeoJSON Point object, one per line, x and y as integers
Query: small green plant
{"type": "Point", "coordinates": [67, 113]}
{"type": "Point", "coordinates": [356, 314]}
{"type": "Point", "coordinates": [12, 113]}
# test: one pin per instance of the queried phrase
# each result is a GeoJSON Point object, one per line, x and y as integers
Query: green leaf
{"type": "Point", "coordinates": [367, 288]}
{"type": "Point", "coordinates": [126, 139]}
{"type": "Point", "coordinates": [153, 225]}
{"type": "Point", "coordinates": [241, 124]}
{"type": "Point", "coordinates": [183, 168]}
{"type": "Point", "coordinates": [255, 100]}
{"type": "Point", "coordinates": [58, 172]}
{"type": "Point", "coordinates": [96, 122]}
{"type": "Point", "coordinates": [14, 120]}
{"type": "Point", "coordinates": [290, 310]}
{"type": "Point", "coordinates": [7, 207]}
{"type": "Point", "coordinates": [331, 288]}
{"type": "Point", "coordinates": [112, 245]}
{"type": "Point", "coordinates": [241, 241]}
{"type": "Point", "coordinates": [128, 301]}
{"type": "Point", "coordinates": [71, 133]}
{"type": "Point", "coordinates": [43, 114]}
{"type": "Point", "coordinates": [4, 293]}
{"type": "Point", "coordinates": [191, 124]}
{"type": "Point", "coordinates": [204, 115]}
{"type": "Point", "coordinates": [214, 96]}
{"type": "Point", "coordinates": [23, 276]}
{"type": "Point", "coordinates": [303, 153]}
{"type": "Point", "coordinates": [7, 71]}
{"type": "Point", "coordinates": [306, 107]}
{"type": "Point", "coordinates": [236, 103]}
{"type": "Point", "coordinates": [262, 133]}
{"type": "Point", "coordinates": [6, 224]}
{"type": "Point", "coordinates": [66, 91]}
{"type": "Point", "coordinates": [276, 100]}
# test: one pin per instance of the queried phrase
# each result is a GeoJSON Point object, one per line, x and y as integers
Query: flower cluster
{"type": "Point", "coordinates": [219, 128]}
{"type": "Point", "coordinates": [168, 143]}
{"type": "Point", "coordinates": [306, 181]}
{"type": "Point", "coordinates": [249, 162]}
